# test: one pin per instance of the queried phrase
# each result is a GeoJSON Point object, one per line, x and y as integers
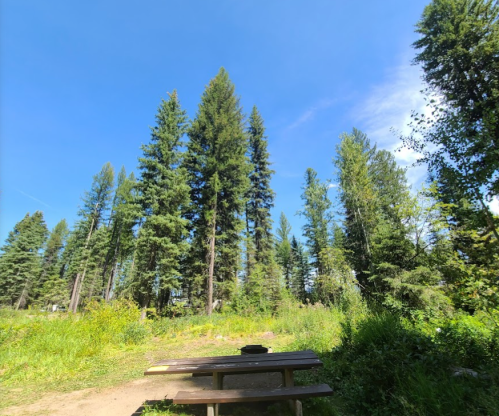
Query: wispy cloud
{"type": "Point", "coordinates": [33, 198]}
{"type": "Point", "coordinates": [388, 108]}
{"type": "Point", "coordinates": [310, 113]}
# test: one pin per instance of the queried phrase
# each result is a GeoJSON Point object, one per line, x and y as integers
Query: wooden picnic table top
{"type": "Point", "coordinates": [237, 363]}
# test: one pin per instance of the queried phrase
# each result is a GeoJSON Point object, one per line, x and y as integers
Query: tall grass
{"type": "Point", "coordinates": [62, 346]}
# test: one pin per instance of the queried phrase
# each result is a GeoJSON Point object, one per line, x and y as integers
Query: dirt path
{"type": "Point", "coordinates": [127, 399]}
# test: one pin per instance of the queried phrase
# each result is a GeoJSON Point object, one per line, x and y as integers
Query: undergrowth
{"type": "Point", "coordinates": [377, 363]}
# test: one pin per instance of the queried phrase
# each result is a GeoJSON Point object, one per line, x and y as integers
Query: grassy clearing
{"type": "Point", "coordinates": [377, 363]}
{"type": "Point", "coordinates": [42, 352]}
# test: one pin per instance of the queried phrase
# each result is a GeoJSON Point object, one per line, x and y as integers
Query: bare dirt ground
{"type": "Point", "coordinates": [128, 399]}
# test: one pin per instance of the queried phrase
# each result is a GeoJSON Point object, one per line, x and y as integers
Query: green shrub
{"type": "Point", "coordinates": [387, 366]}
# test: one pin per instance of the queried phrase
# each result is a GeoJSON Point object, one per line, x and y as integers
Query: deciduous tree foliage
{"type": "Point", "coordinates": [458, 51]}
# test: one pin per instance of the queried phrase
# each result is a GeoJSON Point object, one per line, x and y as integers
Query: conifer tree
{"type": "Point", "coordinates": [51, 265]}
{"type": "Point", "coordinates": [124, 215]}
{"type": "Point", "coordinates": [80, 244]}
{"type": "Point", "coordinates": [218, 169]}
{"type": "Point", "coordinates": [317, 215]}
{"type": "Point", "coordinates": [357, 193]}
{"type": "Point", "coordinates": [20, 263]}
{"type": "Point", "coordinates": [283, 249]}
{"type": "Point", "coordinates": [163, 196]}
{"type": "Point", "coordinates": [260, 195]}
{"type": "Point", "coordinates": [300, 270]}
{"type": "Point", "coordinates": [53, 249]}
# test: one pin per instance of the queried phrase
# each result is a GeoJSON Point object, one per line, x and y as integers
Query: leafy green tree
{"type": "Point", "coordinates": [21, 261]}
{"type": "Point", "coordinates": [336, 277]}
{"type": "Point", "coordinates": [218, 171]}
{"type": "Point", "coordinates": [164, 196]}
{"type": "Point", "coordinates": [318, 217]}
{"type": "Point", "coordinates": [460, 140]}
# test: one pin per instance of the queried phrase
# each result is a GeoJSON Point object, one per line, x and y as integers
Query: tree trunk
{"type": "Point", "coordinates": [75, 295]}
{"type": "Point", "coordinates": [490, 221]}
{"type": "Point", "coordinates": [23, 294]}
{"type": "Point", "coordinates": [211, 269]}
{"type": "Point", "coordinates": [111, 277]}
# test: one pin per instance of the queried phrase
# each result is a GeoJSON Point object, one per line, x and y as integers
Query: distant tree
{"type": "Point", "coordinates": [283, 249]}
{"type": "Point", "coordinates": [372, 189]}
{"type": "Point", "coordinates": [21, 261]}
{"type": "Point", "coordinates": [260, 195]}
{"type": "Point", "coordinates": [163, 196]}
{"type": "Point", "coordinates": [92, 215]}
{"type": "Point", "coordinates": [51, 266]}
{"type": "Point", "coordinates": [124, 216]}
{"type": "Point", "coordinates": [318, 217]}
{"type": "Point", "coordinates": [300, 275]}
{"type": "Point", "coordinates": [218, 172]}
{"type": "Point", "coordinates": [53, 250]}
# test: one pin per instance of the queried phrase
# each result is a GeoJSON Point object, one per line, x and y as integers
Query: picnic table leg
{"type": "Point", "coordinates": [218, 380]}
{"type": "Point", "coordinates": [289, 381]}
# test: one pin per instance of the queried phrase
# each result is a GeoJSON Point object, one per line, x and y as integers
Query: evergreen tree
{"type": "Point", "coordinates": [54, 246]}
{"type": "Point", "coordinates": [218, 171]}
{"type": "Point", "coordinates": [300, 270]}
{"type": "Point", "coordinates": [163, 196]}
{"type": "Point", "coordinates": [92, 215]}
{"type": "Point", "coordinates": [51, 267]}
{"type": "Point", "coordinates": [260, 195]}
{"type": "Point", "coordinates": [124, 215]}
{"type": "Point", "coordinates": [358, 195]}
{"type": "Point", "coordinates": [283, 249]}
{"type": "Point", "coordinates": [317, 215]}
{"type": "Point", "coordinates": [20, 263]}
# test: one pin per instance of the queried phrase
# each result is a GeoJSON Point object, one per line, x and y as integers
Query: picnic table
{"type": "Point", "coordinates": [218, 367]}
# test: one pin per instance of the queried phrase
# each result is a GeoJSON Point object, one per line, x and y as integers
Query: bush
{"type": "Point", "coordinates": [386, 366]}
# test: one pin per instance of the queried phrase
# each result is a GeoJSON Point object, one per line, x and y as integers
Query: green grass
{"type": "Point", "coordinates": [377, 363]}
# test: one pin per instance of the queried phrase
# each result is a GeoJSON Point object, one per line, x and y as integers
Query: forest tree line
{"type": "Point", "coordinates": [195, 224]}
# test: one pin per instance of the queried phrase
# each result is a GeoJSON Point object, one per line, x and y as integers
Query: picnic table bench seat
{"type": "Point", "coordinates": [251, 395]}
{"type": "Point", "coordinates": [213, 398]}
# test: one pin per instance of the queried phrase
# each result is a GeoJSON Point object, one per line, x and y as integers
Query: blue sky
{"type": "Point", "coordinates": [80, 83]}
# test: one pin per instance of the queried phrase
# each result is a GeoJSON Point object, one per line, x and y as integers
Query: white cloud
{"type": "Point", "coordinates": [494, 205]}
{"type": "Point", "coordinates": [388, 107]}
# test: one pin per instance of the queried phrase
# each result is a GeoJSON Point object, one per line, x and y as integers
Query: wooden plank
{"type": "Point", "coordinates": [234, 367]}
{"type": "Point", "coordinates": [240, 358]}
{"type": "Point", "coordinates": [234, 373]}
{"type": "Point", "coordinates": [254, 395]}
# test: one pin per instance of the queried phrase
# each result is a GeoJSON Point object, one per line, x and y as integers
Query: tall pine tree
{"type": "Point", "coordinates": [20, 263]}
{"type": "Point", "coordinates": [260, 195]}
{"type": "Point", "coordinates": [218, 169]}
{"type": "Point", "coordinates": [164, 195]}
